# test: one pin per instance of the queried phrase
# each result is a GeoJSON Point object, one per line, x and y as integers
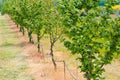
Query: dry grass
{"type": "Point", "coordinates": [12, 64]}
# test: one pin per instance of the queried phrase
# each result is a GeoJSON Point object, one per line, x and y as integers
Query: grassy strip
{"type": "Point", "coordinates": [12, 64]}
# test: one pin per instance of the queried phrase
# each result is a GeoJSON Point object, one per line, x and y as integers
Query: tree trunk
{"type": "Point", "coordinates": [20, 29]}
{"type": "Point", "coordinates": [38, 40]}
{"type": "Point", "coordinates": [30, 37]}
{"type": "Point", "coordinates": [51, 53]}
{"type": "Point", "coordinates": [23, 31]}
{"type": "Point", "coordinates": [89, 72]}
{"type": "Point", "coordinates": [87, 77]}
{"type": "Point", "coordinates": [17, 25]}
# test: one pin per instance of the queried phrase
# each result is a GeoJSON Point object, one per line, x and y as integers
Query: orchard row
{"type": "Point", "coordinates": [85, 28]}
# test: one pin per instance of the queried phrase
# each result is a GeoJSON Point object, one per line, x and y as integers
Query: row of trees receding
{"type": "Point", "coordinates": [87, 29]}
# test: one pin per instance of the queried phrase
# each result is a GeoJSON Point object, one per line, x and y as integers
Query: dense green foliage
{"type": "Point", "coordinates": [89, 29]}
{"type": "Point", "coordinates": [92, 34]}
